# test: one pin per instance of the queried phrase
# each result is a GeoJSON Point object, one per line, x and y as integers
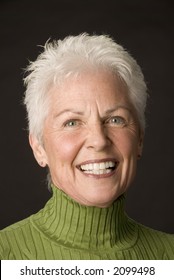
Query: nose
{"type": "Point", "coordinates": [98, 138]}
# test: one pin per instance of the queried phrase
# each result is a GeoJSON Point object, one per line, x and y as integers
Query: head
{"type": "Point", "coordinates": [85, 100]}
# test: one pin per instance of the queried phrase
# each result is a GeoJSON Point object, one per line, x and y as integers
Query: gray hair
{"type": "Point", "coordinates": [71, 56]}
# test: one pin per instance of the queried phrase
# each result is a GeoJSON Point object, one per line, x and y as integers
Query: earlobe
{"type": "Point", "coordinates": [38, 150]}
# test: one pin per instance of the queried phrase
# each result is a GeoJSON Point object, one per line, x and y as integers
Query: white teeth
{"type": "Point", "coordinates": [98, 168]}
{"type": "Point", "coordinates": [111, 164]}
{"type": "Point", "coordinates": [102, 165]}
{"type": "Point", "coordinates": [107, 164]}
{"type": "Point", "coordinates": [98, 172]}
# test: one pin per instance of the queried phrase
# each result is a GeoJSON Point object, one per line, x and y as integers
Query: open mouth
{"type": "Point", "coordinates": [98, 168]}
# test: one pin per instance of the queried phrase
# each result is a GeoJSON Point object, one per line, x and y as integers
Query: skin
{"type": "Point", "coordinates": [90, 120]}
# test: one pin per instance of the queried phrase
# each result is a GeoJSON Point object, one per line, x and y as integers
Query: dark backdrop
{"type": "Point", "coordinates": [145, 28]}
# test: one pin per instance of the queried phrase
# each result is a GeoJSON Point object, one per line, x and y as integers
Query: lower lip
{"type": "Point", "coordinates": [99, 176]}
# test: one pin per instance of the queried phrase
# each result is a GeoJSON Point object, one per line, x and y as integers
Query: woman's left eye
{"type": "Point", "coordinates": [117, 120]}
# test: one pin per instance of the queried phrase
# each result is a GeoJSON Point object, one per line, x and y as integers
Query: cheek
{"type": "Point", "coordinates": [66, 148]}
{"type": "Point", "coordinates": [128, 145]}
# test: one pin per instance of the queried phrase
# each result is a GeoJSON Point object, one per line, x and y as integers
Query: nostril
{"type": "Point", "coordinates": [98, 139]}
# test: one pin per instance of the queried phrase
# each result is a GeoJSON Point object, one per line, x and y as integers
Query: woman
{"type": "Point", "coordinates": [85, 100]}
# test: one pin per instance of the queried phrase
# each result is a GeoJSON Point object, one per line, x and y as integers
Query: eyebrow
{"type": "Point", "coordinates": [69, 111]}
{"type": "Point", "coordinates": [81, 113]}
{"type": "Point", "coordinates": [109, 111]}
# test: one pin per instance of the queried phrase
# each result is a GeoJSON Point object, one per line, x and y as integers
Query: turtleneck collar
{"type": "Point", "coordinates": [73, 225]}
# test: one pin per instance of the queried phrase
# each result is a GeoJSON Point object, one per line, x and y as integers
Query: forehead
{"type": "Point", "coordinates": [100, 87]}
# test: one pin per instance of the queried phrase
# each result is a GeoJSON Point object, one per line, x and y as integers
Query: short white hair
{"type": "Point", "coordinates": [71, 56]}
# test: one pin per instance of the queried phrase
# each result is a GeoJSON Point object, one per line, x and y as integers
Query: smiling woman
{"type": "Point", "coordinates": [85, 100]}
{"type": "Point", "coordinates": [96, 130]}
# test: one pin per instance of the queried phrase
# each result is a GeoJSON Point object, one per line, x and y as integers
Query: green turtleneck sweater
{"type": "Point", "coordinates": [66, 230]}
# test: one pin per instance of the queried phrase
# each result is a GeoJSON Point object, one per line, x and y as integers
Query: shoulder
{"type": "Point", "coordinates": [13, 237]}
{"type": "Point", "coordinates": [164, 242]}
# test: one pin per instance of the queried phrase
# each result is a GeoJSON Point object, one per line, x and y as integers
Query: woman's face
{"type": "Point", "coordinates": [91, 139]}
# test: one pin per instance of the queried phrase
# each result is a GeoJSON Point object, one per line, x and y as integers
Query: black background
{"type": "Point", "coordinates": [145, 28]}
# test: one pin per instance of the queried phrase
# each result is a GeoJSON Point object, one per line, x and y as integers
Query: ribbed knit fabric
{"type": "Point", "coordinates": [66, 230]}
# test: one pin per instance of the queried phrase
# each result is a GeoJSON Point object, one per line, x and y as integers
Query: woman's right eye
{"type": "Point", "coordinates": [71, 123]}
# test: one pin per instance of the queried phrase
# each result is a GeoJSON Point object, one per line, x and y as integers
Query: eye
{"type": "Point", "coordinates": [117, 120]}
{"type": "Point", "coordinates": [71, 123]}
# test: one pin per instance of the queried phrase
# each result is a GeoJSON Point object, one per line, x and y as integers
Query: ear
{"type": "Point", "coordinates": [140, 144]}
{"type": "Point", "coordinates": [38, 150]}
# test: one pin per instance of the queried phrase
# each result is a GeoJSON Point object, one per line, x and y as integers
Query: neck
{"type": "Point", "coordinates": [79, 226]}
